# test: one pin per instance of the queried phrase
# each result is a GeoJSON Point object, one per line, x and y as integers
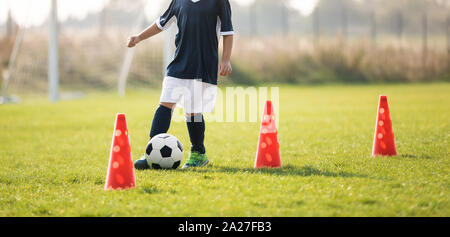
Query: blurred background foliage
{"type": "Point", "coordinates": [341, 41]}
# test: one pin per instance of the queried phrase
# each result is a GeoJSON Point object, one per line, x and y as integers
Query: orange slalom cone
{"type": "Point", "coordinates": [120, 173]}
{"type": "Point", "coordinates": [268, 153]}
{"type": "Point", "coordinates": [383, 142]}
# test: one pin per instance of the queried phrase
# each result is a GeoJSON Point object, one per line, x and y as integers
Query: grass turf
{"type": "Point", "coordinates": [53, 158]}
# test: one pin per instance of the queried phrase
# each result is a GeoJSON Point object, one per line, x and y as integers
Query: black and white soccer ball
{"type": "Point", "coordinates": [164, 151]}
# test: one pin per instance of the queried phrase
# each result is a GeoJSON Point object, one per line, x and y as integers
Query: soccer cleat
{"type": "Point", "coordinates": [196, 160]}
{"type": "Point", "coordinates": [141, 164]}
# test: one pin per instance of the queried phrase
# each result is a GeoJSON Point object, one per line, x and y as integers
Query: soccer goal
{"type": "Point", "coordinates": [65, 56]}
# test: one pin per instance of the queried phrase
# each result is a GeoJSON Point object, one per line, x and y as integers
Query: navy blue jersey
{"type": "Point", "coordinates": [200, 24]}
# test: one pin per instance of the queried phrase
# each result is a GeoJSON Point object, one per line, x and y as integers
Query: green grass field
{"type": "Point", "coordinates": [53, 158]}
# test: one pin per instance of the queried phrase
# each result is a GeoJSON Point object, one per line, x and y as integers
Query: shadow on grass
{"type": "Point", "coordinates": [411, 156]}
{"type": "Point", "coordinates": [287, 170]}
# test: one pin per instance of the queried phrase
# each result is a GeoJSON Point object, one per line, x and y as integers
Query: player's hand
{"type": "Point", "coordinates": [133, 41]}
{"type": "Point", "coordinates": [225, 68]}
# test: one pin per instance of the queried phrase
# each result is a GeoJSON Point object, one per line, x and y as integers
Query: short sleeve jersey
{"type": "Point", "coordinates": [200, 24]}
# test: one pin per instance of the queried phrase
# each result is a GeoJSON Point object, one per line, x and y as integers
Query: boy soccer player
{"type": "Point", "coordinates": [191, 78]}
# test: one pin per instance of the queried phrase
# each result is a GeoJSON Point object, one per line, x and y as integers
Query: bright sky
{"type": "Point", "coordinates": [34, 12]}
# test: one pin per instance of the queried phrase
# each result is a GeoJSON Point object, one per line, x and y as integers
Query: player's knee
{"type": "Point", "coordinates": [168, 105]}
{"type": "Point", "coordinates": [194, 114]}
{"type": "Point", "coordinates": [196, 117]}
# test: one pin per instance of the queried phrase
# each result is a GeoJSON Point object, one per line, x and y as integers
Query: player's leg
{"type": "Point", "coordinates": [162, 119]}
{"type": "Point", "coordinates": [160, 125]}
{"type": "Point", "coordinates": [202, 100]}
{"type": "Point", "coordinates": [196, 128]}
{"type": "Point", "coordinates": [163, 116]}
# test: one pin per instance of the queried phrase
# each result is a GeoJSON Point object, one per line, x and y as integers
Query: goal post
{"type": "Point", "coordinates": [53, 54]}
{"type": "Point", "coordinates": [129, 54]}
{"type": "Point", "coordinates": [5, 98]}
{"type": "Point", "coordinates": [167, 52]}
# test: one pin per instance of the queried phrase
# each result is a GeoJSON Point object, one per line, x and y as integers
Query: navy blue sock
{"type": "Point", "coordinates": [196, 129]}
{"type": "Point", "coordinates": [161, 121]}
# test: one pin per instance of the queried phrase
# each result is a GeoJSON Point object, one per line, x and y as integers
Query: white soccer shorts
{"type": "Point", "coordinates": [194, 96]}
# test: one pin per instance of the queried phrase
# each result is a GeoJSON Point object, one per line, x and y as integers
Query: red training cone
{"type": "Point", "coordinates": [268, 154]}
{"type": "Point", "coordinates": [383, 142]}
{"type": "Point", "coordinates": [120, 170]}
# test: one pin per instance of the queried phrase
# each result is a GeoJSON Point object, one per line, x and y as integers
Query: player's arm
{"type": "Point", "coordinates": [226, 30]}
{"type": "Point", "coordinates": [161, 24]}
{"type": "Point", "coordinates": [225, 68]}
{"type": "Point", "coordinates": [147, 33]}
